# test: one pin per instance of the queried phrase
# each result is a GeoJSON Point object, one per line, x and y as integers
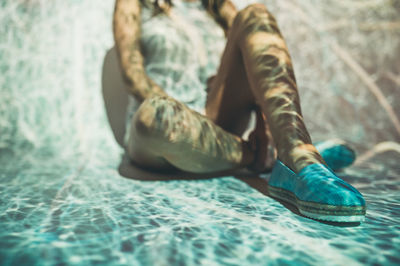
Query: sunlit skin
{"type": "Point", "coordinates": [255, 73]}
{"type": "Point", "coordinates": [126, 27]}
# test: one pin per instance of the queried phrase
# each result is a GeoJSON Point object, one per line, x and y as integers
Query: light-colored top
{"type": "Point", "coordinates": [181, 51]}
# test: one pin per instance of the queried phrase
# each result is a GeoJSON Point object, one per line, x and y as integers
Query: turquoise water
{"type": "Point", "coordinates": [63, 201]}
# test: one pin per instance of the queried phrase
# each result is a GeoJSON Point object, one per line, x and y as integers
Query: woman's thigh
{"type": "Point", "coordinates": [231, 97]}
{"type": "Point", "coordinates": [230, 100]}
{"type": "Point", "coordinates": [165, 133]}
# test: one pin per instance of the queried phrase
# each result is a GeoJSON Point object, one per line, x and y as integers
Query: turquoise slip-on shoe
{"type": "Point", "coordinates": [317, 193]}
{"type": "Point", "coordinates": [336, 153]}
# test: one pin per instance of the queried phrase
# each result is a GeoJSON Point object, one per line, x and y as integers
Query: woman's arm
{"type": "Point", "coordinates": [126, 28]}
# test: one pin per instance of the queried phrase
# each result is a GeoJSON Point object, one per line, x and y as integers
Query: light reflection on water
{"type": "Point", "coordinates": [97, 216]}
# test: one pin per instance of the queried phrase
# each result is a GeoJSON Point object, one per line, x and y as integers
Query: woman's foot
{"type": "Point", "coordinates": [336, 153]}
{"type": "Point", "coordinates": [317, 193]}
{"type": "Point", "coordinates": [300, 156]}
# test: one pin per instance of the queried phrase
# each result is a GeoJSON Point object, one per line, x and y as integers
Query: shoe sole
{"type": "Point", "coordinates": [319, 211]}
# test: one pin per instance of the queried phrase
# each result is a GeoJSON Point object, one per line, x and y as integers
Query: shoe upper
{"type": "Point", "coordinates": [316, 183]}
{"type": "Point", "coordinates": [336, 154]}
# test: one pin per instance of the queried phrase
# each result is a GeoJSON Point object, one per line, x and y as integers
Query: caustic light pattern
{"type": "Point", "coordinates": [62, 200]}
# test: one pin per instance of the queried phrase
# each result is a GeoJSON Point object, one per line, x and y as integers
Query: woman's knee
{"type": "Point", "coordinates": [154, 116]}
{"type": "Point", "coordinates": [255, 18]}
{"type": "Point", "coordinates": [253, 10]}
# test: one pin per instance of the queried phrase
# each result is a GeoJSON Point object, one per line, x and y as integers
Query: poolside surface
{"type": "Point", "coordinates": [63, 200]}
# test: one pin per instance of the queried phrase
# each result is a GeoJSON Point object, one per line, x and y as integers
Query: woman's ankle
{"type": "Point", "coordinates": [300, 156]}
{"type": "Point", "coordinates": [248, 154]}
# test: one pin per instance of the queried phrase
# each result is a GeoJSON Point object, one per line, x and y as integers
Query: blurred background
{"type": "Point", "coordinates": [58, 157]}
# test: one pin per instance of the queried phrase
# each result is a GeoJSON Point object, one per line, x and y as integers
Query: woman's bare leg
{"type": "Point", "coordinates": [256, 69]}
{"type": "Point", "coordinates": [165, 133]}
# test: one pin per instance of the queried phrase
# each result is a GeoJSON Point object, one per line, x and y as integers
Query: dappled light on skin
{"type": "Point", "coordinates": [272, 78]}
{"type": "Point", "coordinates": [267, 81]}
{"type": "Point", "coordinates": [275, 46]}
{"type": "Point", "coordinates": [303, 155]}
{"type": "Point", "coordinates": [173, 128]}
{"type": "Point", "coordinates": [126, 27]}
{"type": "Point", "coordinates": [279, 99]}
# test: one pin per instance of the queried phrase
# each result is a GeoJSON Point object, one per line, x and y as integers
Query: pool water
{"type": "Point", "coordinates": [63, 200]}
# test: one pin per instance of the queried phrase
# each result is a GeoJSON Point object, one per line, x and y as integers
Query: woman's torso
{"type": "Point", "coordinates": [182, 50]}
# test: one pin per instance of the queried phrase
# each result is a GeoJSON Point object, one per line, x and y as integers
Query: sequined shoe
{"type": "Point", "coordinates": [317, 193]}
{"type": "Point", "coordinates": [336, 153]}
